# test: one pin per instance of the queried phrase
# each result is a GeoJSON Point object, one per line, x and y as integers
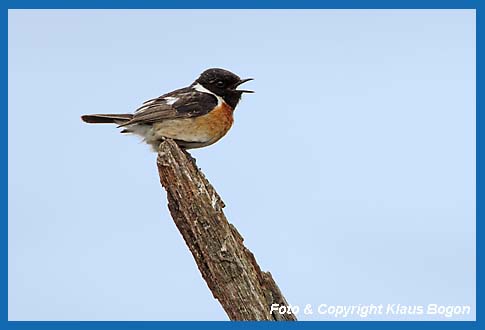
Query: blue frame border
{"type": "Point", "coordinates": [248, 4]}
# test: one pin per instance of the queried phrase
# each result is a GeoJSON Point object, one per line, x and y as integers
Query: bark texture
{"type": "Point", "coordinates": [229, 268]}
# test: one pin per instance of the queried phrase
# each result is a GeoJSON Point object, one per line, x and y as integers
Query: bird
{"type": "Point", "coordinates": [193, 117]}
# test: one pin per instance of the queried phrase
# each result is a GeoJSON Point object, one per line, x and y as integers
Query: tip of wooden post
{"type": "Point", "coordinates": [168, 146]}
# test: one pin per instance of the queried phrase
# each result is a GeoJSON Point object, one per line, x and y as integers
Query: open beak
{"type": "Point", "coordinates": [240, 82]}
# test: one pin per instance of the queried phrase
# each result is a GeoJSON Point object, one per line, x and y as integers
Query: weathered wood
{"type": "Point", "coordinates": [228, 267]}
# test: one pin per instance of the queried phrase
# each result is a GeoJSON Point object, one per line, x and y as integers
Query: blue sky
{"type": "Point", "coordinates": [350, 172]}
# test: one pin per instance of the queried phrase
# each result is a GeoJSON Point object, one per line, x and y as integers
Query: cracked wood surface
{"type": "Point", "coordinates": [228, 267]}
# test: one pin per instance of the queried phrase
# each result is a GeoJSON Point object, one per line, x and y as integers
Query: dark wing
{"type": "Point", "coordinates": [182, 103]}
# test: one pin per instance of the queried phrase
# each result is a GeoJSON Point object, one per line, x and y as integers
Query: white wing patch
{"type": "Point", "coordinates": [170, 100]}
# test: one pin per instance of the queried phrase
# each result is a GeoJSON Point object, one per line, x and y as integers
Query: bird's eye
{"type": "Point", "coordinates": [220, 83]}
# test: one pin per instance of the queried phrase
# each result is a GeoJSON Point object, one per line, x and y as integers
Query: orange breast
{"type": "Point", "coordinates": [206, 129]}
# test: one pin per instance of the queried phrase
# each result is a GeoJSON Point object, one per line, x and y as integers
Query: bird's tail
{"type": "Point", "coordinates": [107, 118]}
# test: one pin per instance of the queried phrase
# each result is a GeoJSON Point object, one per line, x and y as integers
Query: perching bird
{"type": "Point", "coordinates": [195, 116]}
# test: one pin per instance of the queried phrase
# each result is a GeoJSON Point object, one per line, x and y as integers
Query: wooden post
{"type": "Point", "coordinates": [229, 268]}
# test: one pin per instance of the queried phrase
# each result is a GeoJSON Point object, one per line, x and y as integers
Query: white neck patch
{"type": "Point", "coordinates": [200, 88]}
